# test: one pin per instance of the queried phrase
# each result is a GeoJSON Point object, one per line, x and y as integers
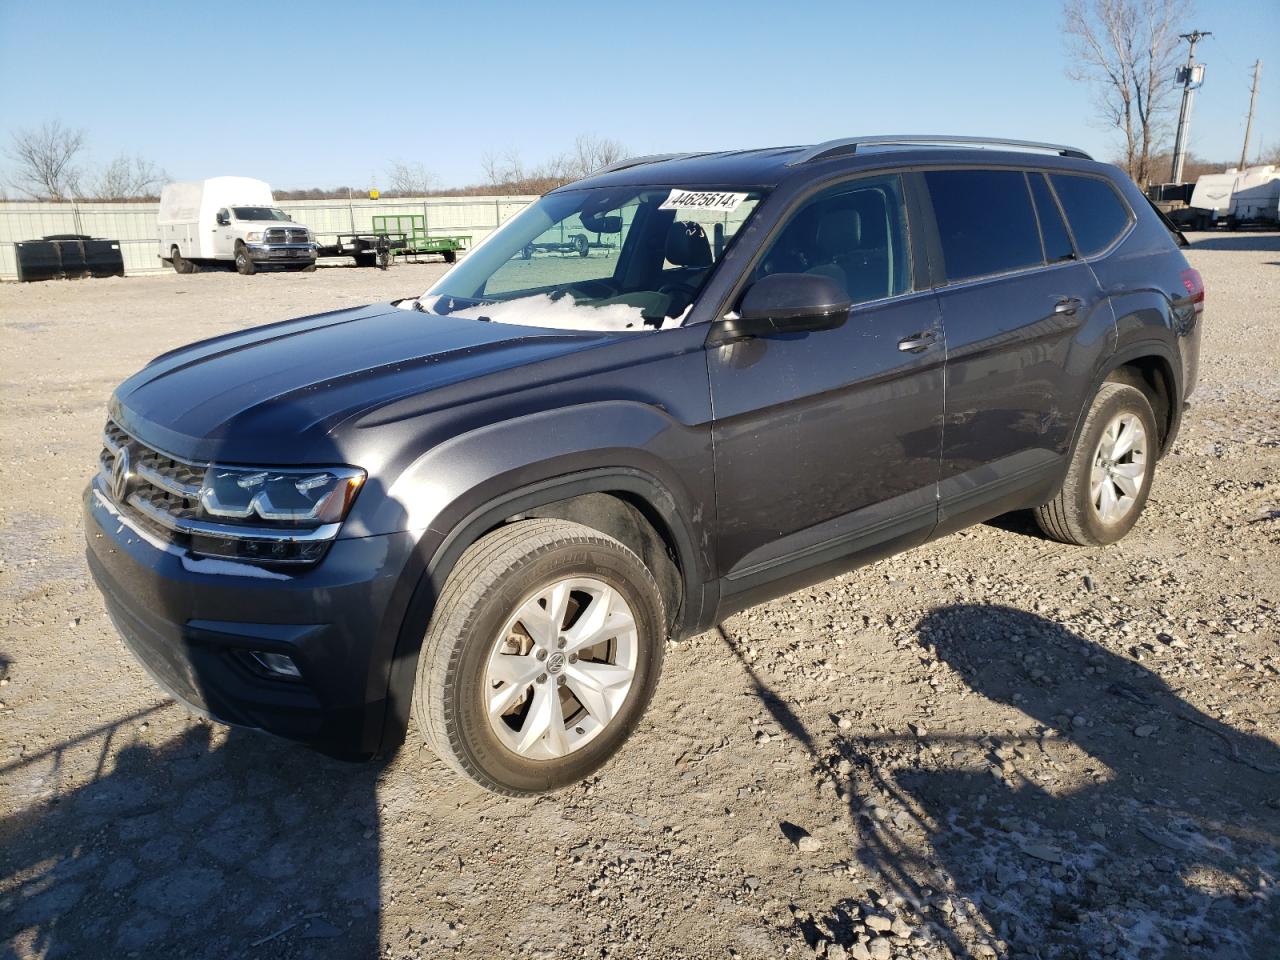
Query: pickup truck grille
{"type": "Point", "coordinates": [156, 487]}
{"type": "Point", "coordinates": [286, 235]}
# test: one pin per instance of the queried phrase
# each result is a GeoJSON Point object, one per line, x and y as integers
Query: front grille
{"type": "Point", "coordinates": [163, 490]}
{"type": "Point", "coordinates": [286, 235]}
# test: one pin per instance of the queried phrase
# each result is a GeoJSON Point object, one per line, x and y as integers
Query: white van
{"type": "Point", "coordinates": [232, 220]}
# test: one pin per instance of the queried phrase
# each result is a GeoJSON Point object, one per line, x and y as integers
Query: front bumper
{"type": "Point", "coordinates": [282, 252]}
{"type": "Point", "coordinates": [192, 623]}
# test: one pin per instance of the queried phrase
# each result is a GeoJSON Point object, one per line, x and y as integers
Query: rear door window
{"type": "Point", "coordinates": [1095, 211]}
{"type": "Point", "coordinates": [1057, 242]}
{"type": "Point", "coordinates": [985, 221]}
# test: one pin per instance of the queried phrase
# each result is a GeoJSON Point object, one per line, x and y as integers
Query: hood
{"type": "Point", "coordinates": [276, 393]}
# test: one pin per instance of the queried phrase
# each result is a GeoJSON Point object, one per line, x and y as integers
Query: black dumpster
{"type": "Point", "coordinates": [68, 255]}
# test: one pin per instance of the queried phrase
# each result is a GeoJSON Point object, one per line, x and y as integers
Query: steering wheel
{"type": "Point", "coordinates": [671, 289]}
{"type": "Point", "coordinates": [680, 295]}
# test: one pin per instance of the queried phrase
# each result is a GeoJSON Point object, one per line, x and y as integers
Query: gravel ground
{"type": "Point", "coordinates": [992, 746]}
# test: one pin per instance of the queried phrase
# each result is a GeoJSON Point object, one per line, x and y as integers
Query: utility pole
{"type": "Point", "coordinates": [1191, 76]}
{"type": "Point", "coordinates": [1248, 126]}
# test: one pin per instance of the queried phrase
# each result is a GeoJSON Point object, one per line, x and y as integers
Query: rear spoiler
{"type": "Point", "coordinates": [1179, 237]}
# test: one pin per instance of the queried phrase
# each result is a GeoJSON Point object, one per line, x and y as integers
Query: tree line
{"type": "Point", "coordinates": [49, 163]}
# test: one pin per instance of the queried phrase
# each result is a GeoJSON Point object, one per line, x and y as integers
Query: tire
{"type": "Point", "coordinates": [309, 268]}
{"type": "Point", "coordinates": [526, 252]}
{"type": "Point", "coordinates": [581, 245]}
{"type": "Point", "coordinates": [451, 255]}
{"type": "Point", "coordinates": [477, 624]}
{"type": "Point", "coordinates": [180, 263]}
{"type": "Point", "coordinates": [1078, 515]}
{"type": "Point", "coordinates": [244, 263]}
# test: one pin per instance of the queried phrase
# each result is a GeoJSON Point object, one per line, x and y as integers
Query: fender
{"type": "Point", "coordinates": [465, 487]}
{"type": "Point", "coordinates": [1150, 346]}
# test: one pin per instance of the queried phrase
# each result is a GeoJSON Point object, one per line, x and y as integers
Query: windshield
{"type": "Point", "coordinates": [606, 258]}
{"type": "Point", "coordinates": [259, 213]}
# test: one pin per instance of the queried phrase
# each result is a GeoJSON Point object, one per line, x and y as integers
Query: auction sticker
{"type": "Point", "coordinates": [702, 200]}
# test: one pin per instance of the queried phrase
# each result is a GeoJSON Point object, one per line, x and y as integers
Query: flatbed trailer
{"type": "Point", "coordinates": [416, 241]}
{"type": "Point", "coordinates": [394, 235]}
{"type": "Point", "coordinates": [368, 249]}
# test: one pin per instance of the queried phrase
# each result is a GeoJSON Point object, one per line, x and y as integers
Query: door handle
{"type": "Point", "coordinates": [1067, 305]}
{"type": "Point", "coordinates": [917, 342]}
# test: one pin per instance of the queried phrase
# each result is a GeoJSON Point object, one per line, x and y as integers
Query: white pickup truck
{"type": "Point", "coordinates": [232, 220]}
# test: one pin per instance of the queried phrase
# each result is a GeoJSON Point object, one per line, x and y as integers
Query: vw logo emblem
{"type": "Point", "coordinates": [121, 476]}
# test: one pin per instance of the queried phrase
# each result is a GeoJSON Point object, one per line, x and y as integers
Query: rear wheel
{"type": "Point", "coordinates": [1109, 477]}
{"type": "Point", "coordinates": [543, 653]}
{"type": "Point", "coordinates": [244, 263]}
{"type": "Point", "coordinates": [450, 256]}
{"type": "Point", "coordinates": [180, 263]}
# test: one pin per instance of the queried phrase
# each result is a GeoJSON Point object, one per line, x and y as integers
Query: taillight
{"type": "Point", "coordinates": [1195, 288]}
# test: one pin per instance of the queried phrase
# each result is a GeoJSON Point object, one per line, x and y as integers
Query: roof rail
{"type": "Point", "coordinates": [637, 161]}
{"type": "Point", "coordinates": [851, 145]}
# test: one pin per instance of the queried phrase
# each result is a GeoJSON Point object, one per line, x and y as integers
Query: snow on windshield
{"type": "Point", "coordinates": [564, 313]}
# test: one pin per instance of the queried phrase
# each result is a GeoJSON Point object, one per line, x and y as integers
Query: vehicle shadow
{"type": "Point", "coordinates": [1237, 241]}
{"type": "Point", "coordinates": [1167, 846]}
{"type": "Point", "coordinates": [215, 841]}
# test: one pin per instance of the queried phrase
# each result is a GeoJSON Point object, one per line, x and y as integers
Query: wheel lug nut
{"type": "Point", "coordinates": [542, 654]}
{"type": "Point", "coordinates": [560, 680]}
{"type": "Point", "coordinates": [561, 642]}
{"type": "Point", "coordinates": [573, 658]}
{"type": "Point", "coordinates": [542, 678]}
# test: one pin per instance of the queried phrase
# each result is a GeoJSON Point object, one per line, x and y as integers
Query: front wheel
{"type": "Point", "coordinates": [1110, 473]}
{"type": "Point", "coordinates": [544, 651]}
{"type": "Point", "coordinates": [244, 263]}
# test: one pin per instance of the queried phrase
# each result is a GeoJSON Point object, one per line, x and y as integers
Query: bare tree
{"type": "Point", "coordinates": [1128, 50]}
{"type": "Point", "coordinates": [45, 160]}
{"type": "Point", "coordinates": [127, 178]}
{"type": "Point", "coordinates": [507, 172]}
{"type": "Point", "coordinates": [591, 153]}
{"type": "Point", "coordinates": [410, 179]}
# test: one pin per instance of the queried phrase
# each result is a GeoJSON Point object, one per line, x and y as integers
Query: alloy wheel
{"type": "Point", "coordinates": [561, 668]}
{"type": "Point", "coordinates": [1119, 468]}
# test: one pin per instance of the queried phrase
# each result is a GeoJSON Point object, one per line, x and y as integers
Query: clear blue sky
{"type": "Point", "coordinates": [321, 94]}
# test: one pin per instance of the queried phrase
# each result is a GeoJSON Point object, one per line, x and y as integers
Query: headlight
{"type": "Point", "coordinates": [289, 497]}
{"type": "Point", "coordinates": [285, 516]}
{"type": "Point", "coordinates": [253, 237]}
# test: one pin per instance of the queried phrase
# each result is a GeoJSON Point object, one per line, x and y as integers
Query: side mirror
{"type": "Point", "coordinates": [787, 303]}
{"type": "Point", "coordinates": [223, 219]}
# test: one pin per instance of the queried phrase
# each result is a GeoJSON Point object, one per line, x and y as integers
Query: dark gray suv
{"type": "Point", "coordinates": [679, 387]}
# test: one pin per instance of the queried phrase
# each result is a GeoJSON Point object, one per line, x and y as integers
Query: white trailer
{"type": "Point", "coordinates": [232, 220]}
{"type": "Point", "coordinates": [1235, 196]}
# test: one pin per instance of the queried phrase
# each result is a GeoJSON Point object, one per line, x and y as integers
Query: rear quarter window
{"type": "Point", "coordinates": [1057, 244]}
{"type": "Point", "coordinates": [985, 221]}
{"type": "Point", "coordinates": [1095, 211]}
